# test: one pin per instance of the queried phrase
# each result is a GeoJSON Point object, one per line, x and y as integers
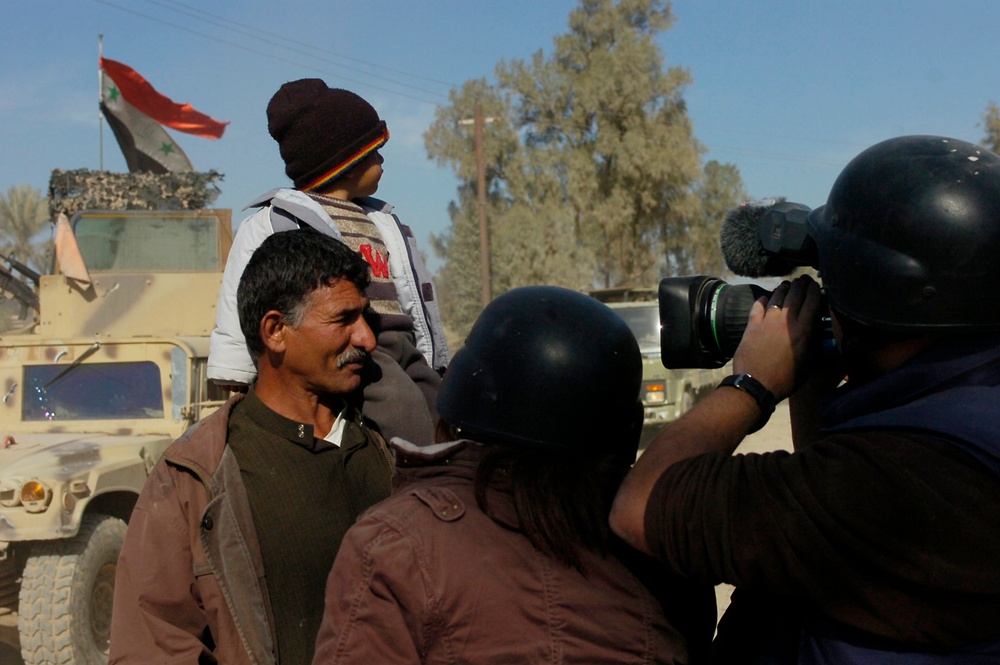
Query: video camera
{"type": "Point", "coordinates": [702, 318]}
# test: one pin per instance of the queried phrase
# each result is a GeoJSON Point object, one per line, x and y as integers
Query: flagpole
{"type": "Point", "coordinates": [100, 94]}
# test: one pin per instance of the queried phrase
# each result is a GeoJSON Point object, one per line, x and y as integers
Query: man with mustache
{"type": "Point", "coordinates": [233, 536]}
{"type": "Point", "coordinates": [330, 141]}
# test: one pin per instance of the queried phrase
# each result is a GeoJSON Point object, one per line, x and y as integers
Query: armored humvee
{"type": "Point", "coordinates": [109, 374]}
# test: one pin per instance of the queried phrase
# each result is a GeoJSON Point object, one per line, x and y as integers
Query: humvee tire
{"type": "Point", "coordinates": [64, 607]}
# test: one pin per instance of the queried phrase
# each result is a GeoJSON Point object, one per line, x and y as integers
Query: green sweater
{"type": "Point", "coordinates": [304, 494]}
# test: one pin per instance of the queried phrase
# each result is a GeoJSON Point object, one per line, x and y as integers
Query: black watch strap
{"type": "Point", "coordinates": [751, 386]}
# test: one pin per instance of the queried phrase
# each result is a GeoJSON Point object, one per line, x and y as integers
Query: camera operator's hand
{"type": "Point", "coordinates": [776, 351]}
{"type": "Point", "coordinates": [777, 344]}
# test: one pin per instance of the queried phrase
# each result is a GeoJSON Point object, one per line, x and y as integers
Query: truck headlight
{"type": "Point", "coordinates": [654, 392]}
{"type": "Point", "coordinates": [35, 496]}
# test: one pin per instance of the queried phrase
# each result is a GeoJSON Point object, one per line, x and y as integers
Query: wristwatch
{"type": "Point", "coordinates": [751, 386]}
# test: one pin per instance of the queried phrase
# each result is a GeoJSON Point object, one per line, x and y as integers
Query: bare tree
{"type": "Point", "coordinates": [24, 215]}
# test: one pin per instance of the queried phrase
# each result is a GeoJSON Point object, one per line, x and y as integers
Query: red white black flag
{"type": "Point", "coordinates": [135, 111]}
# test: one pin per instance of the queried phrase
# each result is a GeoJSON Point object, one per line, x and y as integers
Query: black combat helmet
{"type": "Point", "coordinates": [547, 368]}
{"type": "Point", "coordinates": [909, 239]}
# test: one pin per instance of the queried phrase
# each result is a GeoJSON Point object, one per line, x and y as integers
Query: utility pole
{"type": "Point", "coordinates": [478, 121]}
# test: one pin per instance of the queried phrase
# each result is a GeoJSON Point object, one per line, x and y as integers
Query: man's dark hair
{"type": "Point", "coordinates": [285, 270]}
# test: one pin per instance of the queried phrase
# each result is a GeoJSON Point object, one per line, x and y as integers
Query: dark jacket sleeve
{"type": "Point", "coordinates": [895, 534]}
{"type": "Point", "coordinates": [400, 392]}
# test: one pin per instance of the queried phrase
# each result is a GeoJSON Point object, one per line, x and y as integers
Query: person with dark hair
{"type": "Point", "coordinates": [878, 539]}
{"type": "Point", "coordinates": [495, 545]}
{"type": "Point", "coordinates": [238, 524]}
{"type": "Point", "coordinates": [329, 139]}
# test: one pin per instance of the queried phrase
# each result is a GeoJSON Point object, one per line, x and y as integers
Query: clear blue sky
{"type": "Point", "coordinates": [787, 90]}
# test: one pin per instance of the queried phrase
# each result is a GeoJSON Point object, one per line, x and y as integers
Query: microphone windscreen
{"type": "Point", "coordinates": [740, 241]}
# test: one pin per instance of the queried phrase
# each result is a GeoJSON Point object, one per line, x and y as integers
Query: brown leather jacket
{"type": "Point", "coordinates": [199, 597]}
{"type": "Point", "coordinates": [426, 577]}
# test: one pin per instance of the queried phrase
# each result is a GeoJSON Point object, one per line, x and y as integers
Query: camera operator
{"type": "Point", "coordinates": [878, 539]}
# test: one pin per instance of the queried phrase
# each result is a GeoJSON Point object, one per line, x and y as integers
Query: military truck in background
{"type": "Point", "coordinates": [665, 393]}
{"type": "Point", "coordinates": [110, 370]}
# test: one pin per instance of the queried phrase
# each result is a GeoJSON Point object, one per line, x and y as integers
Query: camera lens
{"type": "Point", "coordinates": [703, 318]}
{"type": "Point", "coordinates": [726, 310]}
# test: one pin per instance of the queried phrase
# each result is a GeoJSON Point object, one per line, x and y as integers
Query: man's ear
{"type": "Point", "coordinates": [273, 329]}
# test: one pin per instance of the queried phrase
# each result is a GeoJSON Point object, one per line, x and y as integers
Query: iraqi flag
{"type": "Point", "coordinates": [135, 111]}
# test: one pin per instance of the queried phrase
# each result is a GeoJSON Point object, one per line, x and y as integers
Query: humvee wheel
{"type": "Point", "coordinates": [64, 607]}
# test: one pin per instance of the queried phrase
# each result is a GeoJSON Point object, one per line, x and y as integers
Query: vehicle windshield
{"type": "Point", "coordinates": [148, 243]}
{"type": "Point", "coordinates": [645, 325]}
{"type": "Point", "coordinates": [92, 391]}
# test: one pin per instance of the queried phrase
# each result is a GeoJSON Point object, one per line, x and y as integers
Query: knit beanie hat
{"type": "Point", "coordinates": [322, 132]}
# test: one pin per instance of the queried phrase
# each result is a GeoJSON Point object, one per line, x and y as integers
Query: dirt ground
{"type": "Point", "coordinates": [776, 435]}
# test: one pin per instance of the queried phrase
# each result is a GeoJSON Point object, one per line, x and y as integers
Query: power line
{"type": "Point", "coordinates": [272, 56]}
{"type": "Point", "coordinates": [328, 56]}
{"type": "Point", "coordinates": [256, 34]}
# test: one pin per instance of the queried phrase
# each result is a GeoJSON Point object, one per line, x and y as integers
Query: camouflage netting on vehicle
{"type": "Point", "coordinates": [83, 189]}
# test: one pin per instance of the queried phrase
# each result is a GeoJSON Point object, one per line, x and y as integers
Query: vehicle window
{"type": "Point", "coordinates": [92, 391]}
{"type": "Point", "coordinates": [645, 325]}
{"type": "Point", "coordinates": [148, 243]}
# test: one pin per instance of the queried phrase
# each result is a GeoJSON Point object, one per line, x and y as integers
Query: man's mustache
{"type": "Point", "coordinates": [351, 355]}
